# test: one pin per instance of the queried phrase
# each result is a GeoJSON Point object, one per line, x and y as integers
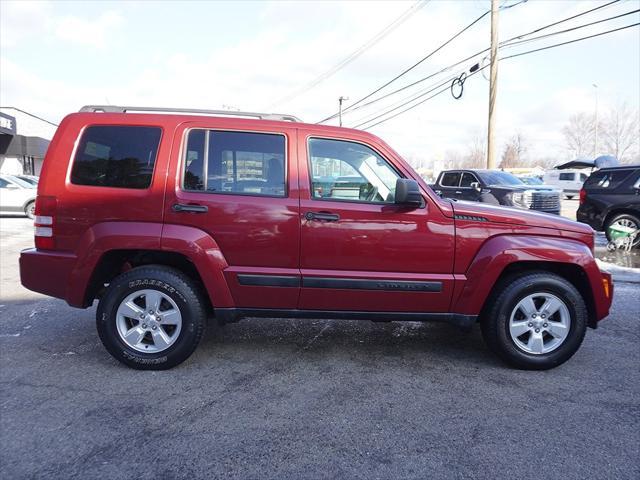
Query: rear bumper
{"type": "Point", "coordinates": [49, 273]}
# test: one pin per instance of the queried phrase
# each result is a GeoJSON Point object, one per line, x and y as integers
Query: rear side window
{"type": "Point", "coordinates": [450, 179]}
{"type": "Point", "coordinates": [116, 156]}
{"type": "Point", "coordinates": [607, 179]}
{"type": "Point", "coordinates": [241, 163]}
{"type": "Point", "coordinates": [567, 176]}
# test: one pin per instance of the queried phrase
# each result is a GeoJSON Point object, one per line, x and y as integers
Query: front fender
{"type": "Point", "coordinates": [500, 251]}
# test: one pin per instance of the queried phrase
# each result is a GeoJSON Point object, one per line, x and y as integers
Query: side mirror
{"type": "Point", "coordinates": [476, 186]}
{"type": "Point", "coordinates": [408, 193]}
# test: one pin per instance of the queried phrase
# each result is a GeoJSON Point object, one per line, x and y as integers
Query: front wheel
{"type": "Point", "coordinates": [536, 321]}
{"type": "Point", "coordinates": [151, 318]}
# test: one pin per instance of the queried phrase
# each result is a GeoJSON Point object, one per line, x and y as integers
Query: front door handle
{"type": "Point", "coordinates": [322, 216]}
{"type": "Point", "coordinates": [181, 207]}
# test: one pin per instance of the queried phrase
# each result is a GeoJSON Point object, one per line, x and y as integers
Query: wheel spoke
{"type": "Point", "coordinates": [557, 329]}
{"type": "Point", "coordinates": [535, 343]}
{"type": "Point", "coordinates": [152, 300]}
{"type": "Point", "coordinates": [527, 306]}
{"type": "Point", "coordinates": [551, 306]}
{"type": "Point", "coordinates": [134, 336]}
{"type": "Point", "coordinates": [170, 317]}
{"type": "Point", "coordinates": [518, 328]}
{"type": "Point", "coordinates": [160, 339]}
{"type": "Point", "coordinates": [130, 310]}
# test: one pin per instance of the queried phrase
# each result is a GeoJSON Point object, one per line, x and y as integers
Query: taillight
{"type": "Point", "coordinates": [583, 196]}
{"type": "Point", "coordinates": [44, 222]}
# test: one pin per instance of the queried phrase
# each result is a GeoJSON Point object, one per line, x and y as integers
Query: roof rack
{"type": "Point", "coordinates": [231, 113]}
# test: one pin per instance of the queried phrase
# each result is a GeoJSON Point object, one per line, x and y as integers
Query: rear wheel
{"type": "Point", "coordinates": [624, 220]}
{"type": "Point", "coordinates": [151, 318]}
{"type": "Point", "coordinates": [535, 321]}
{"type": "Point", "coordinates": [30, 210]}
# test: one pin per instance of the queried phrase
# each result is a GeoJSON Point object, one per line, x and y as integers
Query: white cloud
{"type": "Point", "coordinates": [89, 32]}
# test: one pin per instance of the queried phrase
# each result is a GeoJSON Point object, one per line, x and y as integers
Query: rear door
{"type": "Point", "coordinates": [242, 177]}
{"type": "Point", "coordinates": [449, 185]}
{"type": "Point", "coordinates": [359, 250]}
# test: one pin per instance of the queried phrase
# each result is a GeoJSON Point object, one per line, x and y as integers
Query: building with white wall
{"type": "Point", "coordinates": [24, 138]}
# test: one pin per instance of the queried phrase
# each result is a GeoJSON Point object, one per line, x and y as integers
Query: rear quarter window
{"type": "Point", "coordinates": [116, 156]}
{"type": "Point", "coordinates": [607, 180]}
{"type": "Point", "coordinates": [567, 176]}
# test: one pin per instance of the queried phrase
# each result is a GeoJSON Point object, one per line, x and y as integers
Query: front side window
{"type": "Point", "coordinates": [467, 180]}
{"type": "Point", "coordinates": [239, 163]}
{"type": "Point", "coordinates": [342, 170]}
{"type": "Point", "coordinates": [116, 156]}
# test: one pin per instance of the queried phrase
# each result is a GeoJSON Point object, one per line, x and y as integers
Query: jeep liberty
{"type": "Point", "coordinates": [170, 218]}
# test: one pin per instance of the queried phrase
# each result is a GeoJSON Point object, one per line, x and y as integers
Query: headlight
{"type": "Point", "coordinates": [521, 199]}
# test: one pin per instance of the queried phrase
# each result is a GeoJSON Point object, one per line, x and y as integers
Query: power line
{"type": "Point", "coordinates": [546, 35]}
{"type": "Point", "coordinates": [407, 70]}
{"type": "Point", "coordinates": [356, 53]}
{"type": "Point", "coordinates": [503, 58]}
{"type": "Point", "coordinates": [31, 115]}
{"type": "Point", "coordinates": [354, 106]}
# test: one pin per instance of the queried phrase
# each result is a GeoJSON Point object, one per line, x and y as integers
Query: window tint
{"type": "Point", "coordinates": [3, 183]}
{"type": "Point", "coordinates": [583, 177]}
{"type": "Point", "coordinates": [607, 179]}
{"type": "Point", "coordinates": [450, 179]}
{"type": "Point", "coordinates": [344, 170]}
{"type": "Point", "coordinates": [567, 176]}
{"type": "Point", "coordinates": [235, 162]}
{"type": "Point", "coordinates": [467, 180]}
{"type": "Point", "coordinates": [116, 156]}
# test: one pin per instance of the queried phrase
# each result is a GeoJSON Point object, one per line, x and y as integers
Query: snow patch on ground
{"type": "Point", "coordinates": [626, 274]}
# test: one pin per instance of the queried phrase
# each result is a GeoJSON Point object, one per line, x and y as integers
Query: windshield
{"type": "Point", "coordinates": [499, 178]}
{"type": "Point", "coordinates": [21, 182]}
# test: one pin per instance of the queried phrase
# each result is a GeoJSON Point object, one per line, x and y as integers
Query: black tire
{"type": "Point", "coordinates": [629, 218]}
{"type": "Point", "coordinates": [170, 282]}
{"type": "Point", "coordinates": [30, 209]}
{"type": "Point", "coordinates": [496, 318]}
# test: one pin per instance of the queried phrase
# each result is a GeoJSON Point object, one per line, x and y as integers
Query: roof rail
{"type": "Point", "coordinates": [231, 113]}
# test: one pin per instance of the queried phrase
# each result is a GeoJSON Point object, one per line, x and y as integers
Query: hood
{"type": "Point", "coordinates": [518, 216]}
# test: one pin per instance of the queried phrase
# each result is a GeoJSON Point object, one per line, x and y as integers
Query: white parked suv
{"type": "Point", "coordinates": [17, 196]}
{"type": "Point", "coordinates": [569, 181]}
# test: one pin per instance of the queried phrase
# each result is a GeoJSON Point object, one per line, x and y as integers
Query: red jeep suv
{"type": "Point", "coordinates": [170, 217]}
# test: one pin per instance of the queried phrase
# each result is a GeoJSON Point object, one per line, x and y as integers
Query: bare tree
{"type": "Point", "coordinates": [476, 153]}
{"type": "Point", "coordinates": [621, 135]}
{"type": "Point", "coordinates": [514, 152]}
{"type": "Point", "coordinates": [579, 135]}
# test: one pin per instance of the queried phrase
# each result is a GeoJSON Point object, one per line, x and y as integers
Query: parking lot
{"type": "Point", "coordinates": [270, 398]}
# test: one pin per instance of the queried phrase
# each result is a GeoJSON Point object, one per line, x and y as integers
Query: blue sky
{"type": "Point", "coordinates": [58, 56]}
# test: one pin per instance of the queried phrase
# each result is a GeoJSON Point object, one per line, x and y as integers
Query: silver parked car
{"type": "Point", "coordinates": [17, 196]}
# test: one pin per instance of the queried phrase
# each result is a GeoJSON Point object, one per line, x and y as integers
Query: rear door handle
{"type": "Point", "coordinates": [322, 216]}
{"type": "Point", "coordinates": [458, 192]}
{"type": "Point", "coordinates": [181, 207]}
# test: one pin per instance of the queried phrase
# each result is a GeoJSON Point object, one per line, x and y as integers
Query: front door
{"type": "Point", "coordinates": [359, 250]}
{"type": "Point", "coordinates": [239, 187]}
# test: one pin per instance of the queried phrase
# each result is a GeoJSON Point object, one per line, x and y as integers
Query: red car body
{"type": "Point", "coordinates": [462, 248]}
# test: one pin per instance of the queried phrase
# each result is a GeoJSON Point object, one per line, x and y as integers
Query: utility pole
{"type": "Point", "coordinates": [340, 100]}
{"type": "Point", "coordinates": [493, 87]}
{"type": "Point", "coordinates": [595, 143]}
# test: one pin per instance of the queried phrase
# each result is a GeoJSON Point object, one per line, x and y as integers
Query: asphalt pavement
{"type": "Point", "coordinates": [270, 398]}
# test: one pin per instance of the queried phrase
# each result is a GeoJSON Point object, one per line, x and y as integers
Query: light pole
{"type": "Point", "coordinates": [493, 87]}
{"type": "Point", "coordinates": [595, 143]}
{"type": "Point", "coordinates": [340, 100]}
